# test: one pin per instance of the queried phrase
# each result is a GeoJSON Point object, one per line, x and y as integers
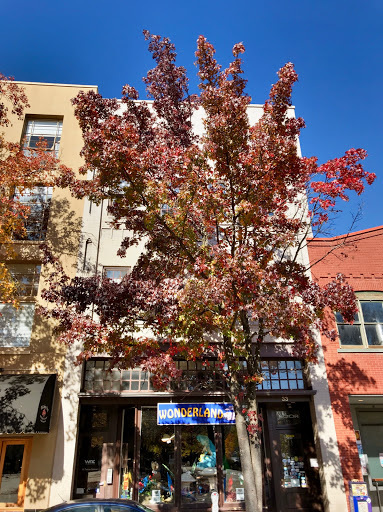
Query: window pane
{"type": "Point", "coordinates": [350, 334]}
{"type": "Point", "coordinates": [47, 130]}
{"type": "Point", "coordinates": [233, 478]}
{"type": "Point", "coordinates": [10, 480]}
{"type": "Point", "coordinates": [156, 479]}
{"type": "Point", "coordinates": [372, 311]}
{"type": "Point", "coordinates": [198, 464]}
{"type": "Point", "coordinates": [340, 320]}
{"type": "Point", "coordinates": [16, 325]}
{"type": "Point", "coordinates": [374, 334]}
{"type": "Point", "coordinates": [38, 200]}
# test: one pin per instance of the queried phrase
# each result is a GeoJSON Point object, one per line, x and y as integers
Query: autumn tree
{"type": "Point", "coordinates": [19, 171]}
{"type": "Point", "coordinates": [224, 217]}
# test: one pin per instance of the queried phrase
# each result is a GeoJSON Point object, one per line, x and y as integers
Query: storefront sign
{"type": "Point", "coordinates": [195, 414]}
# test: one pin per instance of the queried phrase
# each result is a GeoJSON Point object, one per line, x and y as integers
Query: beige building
{"type": "Point", "coordinates": [103, 438]}
{"type": "Point", "coordinates": [31, 361]}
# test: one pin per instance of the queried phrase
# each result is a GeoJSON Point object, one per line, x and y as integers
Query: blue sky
{"type": "Point", "coordinates": [336, 46]}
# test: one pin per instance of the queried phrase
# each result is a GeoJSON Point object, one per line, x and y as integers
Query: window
{"type": "Point", "coordinates": [116, 274]}
{"type": "Point", "coordinates": [367, 329]}
{"type": "Point", "coordinates": [48, 130]}
{"type": "Point", "coordinates": [38, 199]}
{"type": "Point", "coordinates": [16, 324]}
{"type": "Point", "coordinates": [27, 276]}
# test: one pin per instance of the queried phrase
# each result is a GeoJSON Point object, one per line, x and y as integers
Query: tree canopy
{"type": "Point", "coordinates": [225, 218]}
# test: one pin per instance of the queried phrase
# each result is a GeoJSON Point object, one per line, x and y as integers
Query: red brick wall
{"type": "Point", "coordinates": [359, 256]}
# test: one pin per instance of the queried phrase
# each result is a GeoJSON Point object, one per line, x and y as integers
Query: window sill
{"type": "Point", "coordinates": [365, 350]}
{"type": "Point", "coordinates": [15, 350]}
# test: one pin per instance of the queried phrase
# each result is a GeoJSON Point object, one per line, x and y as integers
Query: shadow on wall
{"type": "Point", "coordinates": [344, 378]}
{"type": "Point", "coordinates": [48, 356]}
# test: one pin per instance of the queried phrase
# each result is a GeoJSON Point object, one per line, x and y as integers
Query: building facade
{"type": "Point", "coordinates": [106, 437]}
{"type": "Point", "coordinates": [354, 363]}
{"type": "Point", "coordinates": [31, 361]}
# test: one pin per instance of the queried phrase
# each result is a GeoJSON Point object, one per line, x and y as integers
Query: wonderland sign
{"type": "Point", "coordinates": [195, 414]}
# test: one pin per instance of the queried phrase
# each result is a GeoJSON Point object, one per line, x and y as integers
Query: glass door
{"type": "Point", "coordinates": [14, 460]}
{"type": "Point", "coordinates": [295, 475]}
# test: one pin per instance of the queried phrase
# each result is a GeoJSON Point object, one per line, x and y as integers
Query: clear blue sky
{"type": "Point", "coordinates": [336, 46]}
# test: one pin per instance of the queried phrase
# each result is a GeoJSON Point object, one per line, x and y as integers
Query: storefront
{"type": "Point", "coordinates": [127, 446]}
{"type": "Point", "coordinates": [25, 410]}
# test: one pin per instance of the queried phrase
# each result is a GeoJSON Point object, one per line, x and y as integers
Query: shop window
{"type": "Point", "coordinates": [14, 460]}
{"type": "Point", "coordinates": [232, 471]}
{"type": "Point", "coordinates": [16, 324]}
{"type": "Point", "coordinates": [27, 276]}
{"type": "Point", "coordinates": [367, 329]}
{"type": "Point", "coordinates": [157, 470]}
{"type": "Point", "coordinates": [47, 130]}
{"type": "Point", "coordinates": [198, 464]}
{"type": "Point", "coordinates": [38, 200]}
{"type": "Point", "coordinates": [94, 426]}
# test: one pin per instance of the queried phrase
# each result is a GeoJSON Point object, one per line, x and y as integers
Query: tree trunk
{"type": "Point", "coordinates": [250, 466]}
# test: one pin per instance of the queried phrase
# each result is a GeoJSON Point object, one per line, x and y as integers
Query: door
{"type": "Point", "coordinates": [14, 460]}
{"type": "Point", "coordinates": [295, 477]}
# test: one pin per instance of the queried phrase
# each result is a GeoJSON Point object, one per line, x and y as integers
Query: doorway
{"type": "Point", "coordinates": [14, 461]}
{"type": "Point", "coordinates": [293, 459]}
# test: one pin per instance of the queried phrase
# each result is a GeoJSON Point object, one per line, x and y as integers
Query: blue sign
{"type": "Point", "coordinates": [195, 414]}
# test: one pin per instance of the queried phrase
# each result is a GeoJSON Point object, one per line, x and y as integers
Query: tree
{"type": "Point", "coordinates": [20, 171]}
{"type": "Point", "coordinates": [225, 220]}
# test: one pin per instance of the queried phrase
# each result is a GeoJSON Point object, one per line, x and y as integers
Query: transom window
{"type": "Point", "coordinates": [47, 130]}
{"type": "Point", "coordinates": [367, 329]}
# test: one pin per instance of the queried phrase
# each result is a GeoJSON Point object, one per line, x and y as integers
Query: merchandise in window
{"type": "Point", "coordinates": [157, 471]}
{"type": "Point", "coordinates": [16, 324]}
{"type": "Point", "coordinates": [367, 329]}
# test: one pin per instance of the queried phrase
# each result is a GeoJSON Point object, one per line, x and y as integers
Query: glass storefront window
{"type": "Point", "coordinates": [233, 478]}
{"type": "Point", "coordinates": [94, 425]}
{"type": "Point", "coordinates": [156, 479]}
{"type": "Point", "coordinates": [198, 464]}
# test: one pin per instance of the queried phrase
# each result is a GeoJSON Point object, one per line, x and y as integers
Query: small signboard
{"type": "Point", "coordinates": [240, 494]}
{"type": "Point", "coordinates": [195, 414]}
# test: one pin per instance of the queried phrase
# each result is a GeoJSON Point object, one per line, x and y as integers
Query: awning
{"type": "Point", "coordinates": [26, 403]}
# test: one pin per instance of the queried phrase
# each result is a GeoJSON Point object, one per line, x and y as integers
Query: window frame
{"type": "Point", "coordinates": [31, 125]}
{"type": "Point", "coordinates": [27, 442]}
{"type": "Point", "coordinates": [362, 297]}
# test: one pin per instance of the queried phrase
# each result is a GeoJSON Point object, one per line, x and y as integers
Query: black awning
{"type": "Point", "coordinates": [26, 403]}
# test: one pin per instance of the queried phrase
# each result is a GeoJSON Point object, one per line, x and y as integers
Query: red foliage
{"type": "Point", "coordinates": [225, 267]}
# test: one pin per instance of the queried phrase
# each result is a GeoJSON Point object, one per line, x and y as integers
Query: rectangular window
{"type": "Point", "coordinates": [116, 274]}
{"type": "Point", "coordinates": [38, 200]}
{"type": "Point", "coordinates": [47, 130]}
{"type": "Point", "coordinates": [16, 324]}
{"type": "Point", "coordinates": [27, 276]}
{"type": "Point", "coordinates": [367, 329]}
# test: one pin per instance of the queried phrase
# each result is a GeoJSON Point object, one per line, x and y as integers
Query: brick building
{"type": "Point", "coordinates": [354, 363]}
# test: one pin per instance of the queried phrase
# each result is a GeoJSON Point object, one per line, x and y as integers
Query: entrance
{"type": "Point", "coordinates": [123, 453]}
{"type": "Point", "coordinates": [14, 459]}
{"type": "Point", "coordinates": [293, 458]}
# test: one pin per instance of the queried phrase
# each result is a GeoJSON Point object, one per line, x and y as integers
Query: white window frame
{"type": "Point", "coordinates": [38, 129]}
{"type": "Point", "coordinates": [362, 297]}
{"type": "Point", "coordinates": [121, 269]}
